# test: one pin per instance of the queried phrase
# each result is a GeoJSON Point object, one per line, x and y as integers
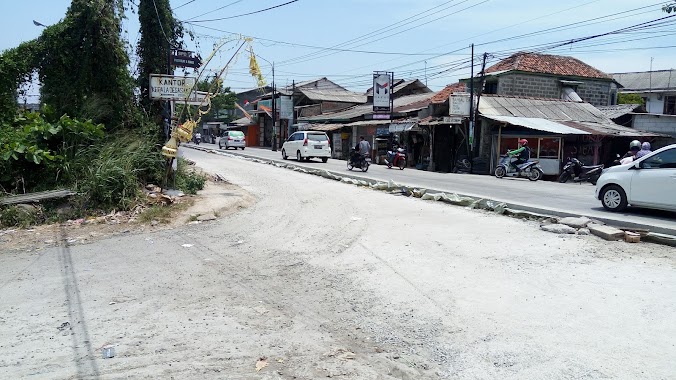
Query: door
{"type": "Point", "coordinates": [654, 183]}
{"type": "Point", "coordinates": [291, 145]}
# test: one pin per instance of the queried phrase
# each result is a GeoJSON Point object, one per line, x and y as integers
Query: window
{"type": "Point", "coordinates": [549, 148]}
{"type": "Point", "coordinates": [237, 134]}
{"type": "Point", "coordinates": [317, 136]}
{"type": "Point", "coordinates": [491, 88]}
{"type": "Point", "coordinates": [663, 160]}
{"type": "Point", "coordinates": [670, 105]}
{"type": "Point", "coordinates": [300, 136]}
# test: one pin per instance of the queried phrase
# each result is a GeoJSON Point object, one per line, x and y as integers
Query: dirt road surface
{"type": "Point", "coordinates": [319, 279]}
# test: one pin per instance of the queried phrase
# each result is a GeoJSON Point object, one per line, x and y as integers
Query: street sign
{"type": "Point", "coordinates": [184, 58]}
{"type": "Point", "coordinates": [170, 87]}
{"type": "Point", "coordinates": [453, 119]}
{"type": "Point", "coordinates": [381, 116]}
{"type": "Point", "coordinates": [197, 98]}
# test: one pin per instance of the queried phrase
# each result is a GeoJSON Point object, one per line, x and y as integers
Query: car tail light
{"type": "Point", "coordinates": [305, 142]}
{"type": "Point", "coordinates": [328, 141]}
{"type": "Point", "coordinates": [229, 138]}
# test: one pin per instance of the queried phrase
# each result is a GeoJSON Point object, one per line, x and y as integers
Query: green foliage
{"type": "Point", "coordinates": [224, 100]}
{"type": "Point", "coordinates": [33, 151]}
{"type": "Point", "coordinates": [114, 172]}
{"type": "Point", "coordinates": [623, 98]}
{"type": "Point", "coordinates": [669, 7]}
{"type": "Point", "coordinates": [187, 180]}
{"type": "Point", "coordinates": [19, 216]}
{"type": "Point", "coordinates": [159, 30]}
{"type": "Point", "coordinates": [81, 63]}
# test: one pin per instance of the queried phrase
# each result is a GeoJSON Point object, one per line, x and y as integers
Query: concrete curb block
{"type": "Point", "coordinates": [659, 235]}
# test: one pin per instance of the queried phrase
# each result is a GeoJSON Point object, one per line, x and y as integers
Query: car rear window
{"type": "Point", "coordinates": [237, 134]}
{"type": "Point", "coordinates": [317, 137]}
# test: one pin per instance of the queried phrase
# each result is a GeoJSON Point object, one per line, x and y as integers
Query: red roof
{"type": "Point", "coordinates": [442, 96]}
{"type": "Point", "coordinates": [547, 64]}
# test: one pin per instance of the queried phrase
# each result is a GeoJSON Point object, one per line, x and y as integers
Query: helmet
{"type": "Point", "coordinates": [645, 146]}
{"type": "Point", "coordinates": [635, 145]}
{"type": "Point", "coordinates": [523, 142]}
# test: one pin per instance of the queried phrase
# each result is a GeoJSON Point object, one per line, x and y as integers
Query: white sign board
{"type": "Point", "coordinates": [458, 104]}
{"type": "Point", "coordinates": [286, 108]}
{"type": "Point", "coordinates": [170, 87]}
{"type": "Point", "coordinates": [197, 98]}
{"type": "Point", "coordinates": [382, 89]}
{"type": "Point", "coordinates": [453, 119]}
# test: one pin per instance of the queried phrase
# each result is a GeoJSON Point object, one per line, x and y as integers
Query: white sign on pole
{"type": "Point", "coordinates": [458, 104]}
{"type": "Point", "coordinates": [197, 98]}
{"type": "Point", "coordinates": [286, 108]}
{"type": "Point", "coordinates": [170, 87]}
{"type": "Point", "coordinates": [382, 89]}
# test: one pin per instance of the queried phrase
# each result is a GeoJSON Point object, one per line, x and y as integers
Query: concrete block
{"type": "Point", "coordinates": [580, 222]}
{"type": "Point", "coordinates": [606, 232]}
{"type": "Point", "coordinates": [558, 229]}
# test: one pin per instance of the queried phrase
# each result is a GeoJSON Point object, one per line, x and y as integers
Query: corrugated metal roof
{"type": "Point", "coordinates": [334, 95]}
{"type": "Point", "coordinates": [613, 112]}
{"type": "Point", "coordinates": [576, 115]}
{"type": "Point", "coordinates": [367, 109]}
{"type": "Point", "coordinates": [551, 109]}
{"type": "Point", "coordinates": [539, 125]}
{"type": "Point", "coordinates": [647, 80]}
{"type": "Point", "coordinates": [325, 127]}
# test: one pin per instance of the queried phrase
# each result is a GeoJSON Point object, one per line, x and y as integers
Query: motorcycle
{"type": "Point", "coordinates": [575, 169]}
{"type": "Point", "coordinates": [197, 139]}
{"type": "Point", "coordinates": [531, 169]}
{"type": "Point", "coordinates": [462, 165]}
{"type": "Point", "coordinates": [363, 163]}
{"type": "Point", "coordinates": [396, 158]}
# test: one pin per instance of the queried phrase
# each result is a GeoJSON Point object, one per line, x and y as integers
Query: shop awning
{"type": "Point", "coordinates": [325, 127]}
{"type": "Point", "coordinates": [538, 124]}
{"type": "Point", "coordinates": [402, 127]}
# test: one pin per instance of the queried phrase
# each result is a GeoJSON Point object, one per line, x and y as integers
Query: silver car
{"type": "Point", "coordinates": [232, 139]}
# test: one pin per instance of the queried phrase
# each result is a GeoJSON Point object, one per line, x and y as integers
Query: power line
{"type": "Point", "coordinates": [184, 4]}
{"type": "Point", "coordinates": [247, 14]}
{"type": "Point", "coordinates": [215, 10]}
{"type": "Point", "coordinates": [159, 21]}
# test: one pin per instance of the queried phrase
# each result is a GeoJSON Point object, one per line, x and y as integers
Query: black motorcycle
{"type": "Point", "coordinates": [576, 170]}
{"type": "Point", "coordinates": [358, 161]}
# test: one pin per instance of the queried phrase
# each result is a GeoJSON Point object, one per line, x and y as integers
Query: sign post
{"type": "Point", "coordinates": [184, 58]}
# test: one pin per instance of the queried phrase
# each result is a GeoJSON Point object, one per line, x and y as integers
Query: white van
{"type": "Point", "coordinates": [307, 145]}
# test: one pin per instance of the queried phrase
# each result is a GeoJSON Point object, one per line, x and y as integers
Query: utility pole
{"type": "Point", "coordinates": [274, 110]}
{"type": "Point", "coordinates": [470, 135]}
{"type": "Point", "coordinates": [481, 85]}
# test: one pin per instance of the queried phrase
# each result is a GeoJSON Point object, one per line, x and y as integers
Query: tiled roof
{"type": "Point", "coordinates": [547, 64]}
{"type": "Point", "coordinates": [442, 96]}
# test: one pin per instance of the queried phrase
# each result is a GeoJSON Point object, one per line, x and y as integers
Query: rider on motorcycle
{"type": "Point", "coordinates": [634, 148]}
{"type": "Point", "coordinates": [645, 149]}
{"type": "Point", "coordinates": [522, 154]}
{"type": "Point", "coordinates": [361, 151]}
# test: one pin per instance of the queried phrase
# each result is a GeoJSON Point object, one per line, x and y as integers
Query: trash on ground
{"type": "Point", "coordinates": [108, 352]}
{"type": "Point", "coordinates": [261, 363]}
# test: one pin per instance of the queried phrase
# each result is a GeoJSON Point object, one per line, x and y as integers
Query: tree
{"type": "Point", "coordinates": [222, 101]}
{"type": "Point", "coordinates": [669, 7]}
{"type": "Point", "coordinates": [81, 64]}
{"type": "Point", "coordinates": [623, 98]}
{"type": "Point", "coordinates": [160, 32]}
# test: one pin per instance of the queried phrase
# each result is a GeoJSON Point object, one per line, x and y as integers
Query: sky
{"type": "Point", "coordinates": [424, 39]}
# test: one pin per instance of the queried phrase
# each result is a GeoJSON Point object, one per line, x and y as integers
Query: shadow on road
{"type": "Point", "coordinates": [83, 353]}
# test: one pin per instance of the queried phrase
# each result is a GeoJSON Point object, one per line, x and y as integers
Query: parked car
{"type": "Point", "coordinates": [307, 145]}
{"type": "Point", "coordinates": [232, 139]}
{"type": "Point", "coordinates": [648, 182]}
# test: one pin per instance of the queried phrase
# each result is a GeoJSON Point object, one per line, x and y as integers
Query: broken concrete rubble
{"type": "Point", "coordinates": [606, 232]}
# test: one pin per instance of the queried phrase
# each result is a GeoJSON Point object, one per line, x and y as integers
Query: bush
{"type": "Point", "coordinates": [187, 180]}
{"type": "Point", "coordinates": [19, 216]}
{"type": "Point", "coordinates": [118, 169]}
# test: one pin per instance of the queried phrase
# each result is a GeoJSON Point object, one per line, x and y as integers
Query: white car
{"type": "Point", "coordinates": [232, 139]}
{"type": "Point", "coordinates": [307, 145]}
{"type": "Point", "coordinates": [648, 182]}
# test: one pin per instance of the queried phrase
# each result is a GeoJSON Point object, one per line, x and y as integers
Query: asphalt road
{"type": "Point", "coordinates": [541, 196]}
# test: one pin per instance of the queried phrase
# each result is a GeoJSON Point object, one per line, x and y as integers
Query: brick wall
{"type": "Point", "coordinates": [597, 93]}
{"type": "Point", "coordinates": [665, 124]}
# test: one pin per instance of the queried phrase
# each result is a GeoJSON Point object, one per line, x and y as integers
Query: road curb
{"type": "Point", "coordinates": [541, 211]}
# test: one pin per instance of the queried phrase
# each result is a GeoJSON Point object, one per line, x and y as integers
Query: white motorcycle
{"type": "Point", "coordinates": [531, 169]}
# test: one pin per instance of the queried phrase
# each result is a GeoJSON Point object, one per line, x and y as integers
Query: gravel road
{"type": "Point", "coordinates": [321, 279]}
